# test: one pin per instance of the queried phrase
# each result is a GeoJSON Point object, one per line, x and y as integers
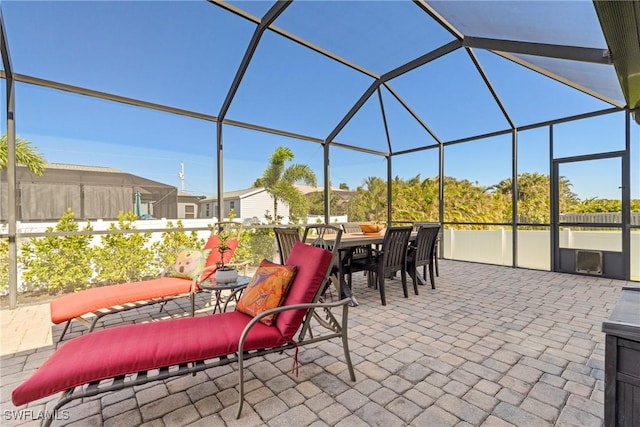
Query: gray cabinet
{"type": "Point", "coordinates": [622, 361]}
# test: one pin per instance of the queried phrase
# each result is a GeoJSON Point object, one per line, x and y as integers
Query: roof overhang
{"type": "Point", "coordinates": [620, 21]}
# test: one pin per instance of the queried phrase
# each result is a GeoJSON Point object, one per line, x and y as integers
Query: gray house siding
{"type": "Point", "coordinates": [258, 204]}
{"type": "Point", "coordinates": [91, 192]}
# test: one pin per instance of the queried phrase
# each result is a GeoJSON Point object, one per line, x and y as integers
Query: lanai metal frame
{"type": "Point", "coordinates": [618, 21]}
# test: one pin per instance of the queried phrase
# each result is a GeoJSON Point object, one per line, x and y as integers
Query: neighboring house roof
{"type": "Point", "coordinates": [237, 194]}
{"type": "Point", "coordinates": [185, 197]}
{"type": "Point", "coordinates": [86, 168]}
{"type": "Point", "coordinates": [187, 194]}
{"type": "Point", "coordinates": [306, 189]}
{"type": "Point", "coordinates": [247, 192]}
{"type": "Point", "coordinates": [97, 173]}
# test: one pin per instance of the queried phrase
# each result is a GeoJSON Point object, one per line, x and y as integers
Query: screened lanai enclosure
{"type": "Point", "coordinates": [90, 192]}
{"type": "Point", "coordinates": [511, 123]}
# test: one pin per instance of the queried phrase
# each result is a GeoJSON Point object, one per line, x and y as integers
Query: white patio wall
{"type": "Point", "coordinates": [494, 246]}
{"type": "Point", "coordinates": [484, 246]}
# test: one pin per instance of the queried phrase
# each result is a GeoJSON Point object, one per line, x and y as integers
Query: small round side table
{"type": "Point", "coordinates": [216, 289]}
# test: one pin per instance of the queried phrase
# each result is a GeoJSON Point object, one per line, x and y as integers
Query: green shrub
{"type": "Point", "coordinates": [4, 266]}
{"type": "Point", "coordinates": [57, 263]}
{"type": "Point", "coordinates": [256, 244]}
{"type": "Point", "coordinates": [124, 257]}
{"type": "Point", "coordinates": [166, 249]}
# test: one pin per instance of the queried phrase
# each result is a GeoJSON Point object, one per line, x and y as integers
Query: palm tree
{"type": "Point", "coordinates": [26, 155]}
{"type": "Point", "coordinates": [279, 180]}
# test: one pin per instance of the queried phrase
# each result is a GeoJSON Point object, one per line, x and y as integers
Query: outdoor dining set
{"type": "Point", "coordinates": [377, 252]}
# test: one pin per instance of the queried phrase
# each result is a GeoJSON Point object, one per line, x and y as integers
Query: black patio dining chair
{"type": "Point", "coordinates": [286, 237]}
{"type": "Point", "coordinates": [436, 245]}
{"type": "Point", "coordinates": [422, 253]}
{"type": "Point", "coordinates": [358, 252]}
{"type": "Point", "coordinates": [351, 227]}
{"type": "Point", "coordinates": [383, 263]}
{"type": "Point", "coordinates": [327, 237]}
{"type": "Point", "coordinates": [322, 235]}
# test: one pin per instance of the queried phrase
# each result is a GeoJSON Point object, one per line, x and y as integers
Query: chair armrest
{"type": "Point", "coordinates": [237, 264]}
{"type": "Point", "coordinates": [343, 302]}
{"type": "Point", "coordinates": [233, 296]}
{"type": "Point", "coordinates": [206, 273]}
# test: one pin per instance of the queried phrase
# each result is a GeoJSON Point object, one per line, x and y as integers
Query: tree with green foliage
{"type": "Point", "coordinates": [417, 200]}
{"type": "Point", "coordinates": [467, 201]}
{"type": "Point", "coordinates": [595, 204]}
{"type": "Point", "coordinates": [58, 263]}
{"type": "Point", "coordinates": [369, 203]}
{"type": "Point", "coordinates": [256, 244]}
{"type": "Point", "coordinates": [26, 155]}
{"type": "Point", "coordinates": [337, 204]}
{"type": "Point", "coordinates": [279, 180]}
{"type": "Point", "coordinates": [124, 257]}
{"type": "Point", "coordinates": [414, 199]}
{"type": "Point", "coordinates": [172, 242]}
{"type": "Point", "coordinates": [534, 197]}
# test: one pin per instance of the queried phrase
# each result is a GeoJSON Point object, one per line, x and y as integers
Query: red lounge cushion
{"type": "Point", "coordinates": [312, 264]}
{"type": "Point", "coordinates": [79, 303]}
{"type": "Point", "coordinates": [214, 257]}
{"type": "Point", "coordinates": [132, 348]}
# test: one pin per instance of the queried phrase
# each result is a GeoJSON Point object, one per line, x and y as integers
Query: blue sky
{"type": "Point", "coordinates": [184, 54]}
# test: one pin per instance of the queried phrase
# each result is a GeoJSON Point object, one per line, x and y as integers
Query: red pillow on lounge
{"type": "Point", "coordinates": [214, 257]}
{"type": "Point", "coordinates": [312, 264]}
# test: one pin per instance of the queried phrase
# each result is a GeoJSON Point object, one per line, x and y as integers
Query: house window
{"type": "Point", "coordinates": [232, 205]}
{"type": "Point", "coordinates": [207, 210]}
{"type": "Point", "coordinates": [189, 211]}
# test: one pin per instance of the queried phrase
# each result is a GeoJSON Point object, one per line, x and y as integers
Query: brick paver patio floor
{"type": "Point", "coordinates": [491, 346]}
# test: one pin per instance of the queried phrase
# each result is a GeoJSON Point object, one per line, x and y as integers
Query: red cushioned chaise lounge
{"type": "Point", "coordinates": [130, 355]}
{"type": "Point", "coordinates": [101, 301]}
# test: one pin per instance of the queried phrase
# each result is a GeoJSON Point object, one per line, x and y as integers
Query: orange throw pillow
{"type": "Point", "coordinates": [267, 289]}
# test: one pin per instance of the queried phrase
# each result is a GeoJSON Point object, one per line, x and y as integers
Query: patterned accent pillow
{"type": "Point", "coordinates": [267, 289]}
{"type": "Point", "coordinates": [189, 263]}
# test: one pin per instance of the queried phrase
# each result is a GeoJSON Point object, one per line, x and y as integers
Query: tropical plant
{"type": "Point", "coordinates": [26, 155]}
{"type": "Point", "coordinates": [337, 204]}
{"type": "Point", "coordinates": [124, 257]}
{"type": "Point", "coordinates": [415, 199]}
{"type": "Point", "coordinates": [279, 182]}
{"type": "Point", "coordinates": [58, 263]}
{"type": "Point", "coordinates": [534, 197]}
{"type": "Point", "coordinates": [222, 248]}
{"type": "Point", "coordinates": [467, 201]}
{"type": "Point", "coordinates": [369, 203]}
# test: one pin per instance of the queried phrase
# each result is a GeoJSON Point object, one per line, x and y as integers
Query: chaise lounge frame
{"type": "Point", "coordinates": [336, 329]}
